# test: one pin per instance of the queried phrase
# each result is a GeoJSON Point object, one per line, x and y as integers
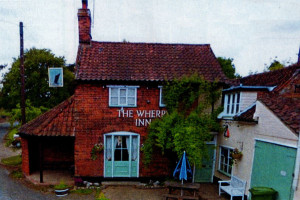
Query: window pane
{"type": "Point", "coordinates": [228, 104]}
{"type": "Point", "coordinates": [122, 92]}
{"type": "Point", "coordinates": [114, 92]}
{"type": "Point", "coordinates": [238, 98]}
{"type": "Point", "coordinates": [232, 106]}
{"type": "Point", "coordinates": [162, 97]}
{"type": "Point", "coordinates": [131, 101]}
{"type": "Point", "coordinates": [122, 100]}
{"type": "Point", "coordinates": [131, 92]}
{"type": "Point", "coordinates": [114, 101]}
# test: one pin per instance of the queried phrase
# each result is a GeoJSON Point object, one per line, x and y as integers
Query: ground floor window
{"type": "Point", "coordinates": [225, 160]}
{"type": "Point", "coordinates": [121, 154]}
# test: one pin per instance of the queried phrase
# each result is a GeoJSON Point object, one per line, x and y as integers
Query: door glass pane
{"type": "Point", "coordinates": [134, 148]}
{"type": "Point", "coordinates": [121, 151]}
{"type": "Point", "coordinates": [108, 148]}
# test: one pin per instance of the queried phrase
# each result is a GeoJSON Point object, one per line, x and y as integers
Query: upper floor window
{"type": "Point", "coordinates": [122, 96]}
{"type": "Point", "coordinates": [161, 97]}
{"type": "Point", "coordinates": [232, 103]}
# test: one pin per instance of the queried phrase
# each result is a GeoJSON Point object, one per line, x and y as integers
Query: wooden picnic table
{"type": "Point", "coordinates": [186, 190]}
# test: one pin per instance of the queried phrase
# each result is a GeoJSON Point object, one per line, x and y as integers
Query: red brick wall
{"type": "Point", "coordinates": [94, 118]}
{"type": "Point", "coordinates": [25, 156]}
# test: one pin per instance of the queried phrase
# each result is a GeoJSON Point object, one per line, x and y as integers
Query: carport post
{"type": "Point", "coordinates": [41, 161]}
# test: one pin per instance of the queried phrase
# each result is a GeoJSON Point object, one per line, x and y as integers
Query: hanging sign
{"type": "Point", "coordinates": [56, 77]}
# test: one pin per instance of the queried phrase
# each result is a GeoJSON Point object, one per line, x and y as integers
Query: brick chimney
{"type": "Point", "coordinates": [84, 23]}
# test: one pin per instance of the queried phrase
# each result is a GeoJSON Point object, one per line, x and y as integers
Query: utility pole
{"type": "Point", "coordinates": [22, 74]}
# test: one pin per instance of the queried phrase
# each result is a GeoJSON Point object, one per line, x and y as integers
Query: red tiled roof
{"type": "Point", "coordinates": [272, 78]}
{"type": "Point", "coordinates": [58, 121]}
{"type": "Point", "coordinates": [247, 115]}
{"type": "Point", "coordinates": [285, 108]}
{"type": "Point", "coordinates": [146, 61]}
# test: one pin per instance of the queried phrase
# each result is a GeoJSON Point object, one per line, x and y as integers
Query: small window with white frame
{"type": "Point", "coordinates": [161, 97]}
{"type": "Point", "coordinates": [232, 103]}
{"type": "Point", "coordinates": [225, 160]}
{"type": "Point", "coordinates": [122, 96]}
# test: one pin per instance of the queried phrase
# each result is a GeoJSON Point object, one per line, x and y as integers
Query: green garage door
{"type": "Point", "coordinates": [273, 166]}
{"type": "Point", "coordinates": [205, 173]}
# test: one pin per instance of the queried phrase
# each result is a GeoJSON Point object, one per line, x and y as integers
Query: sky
{"type": "Point", "coordinates": [252, 32]}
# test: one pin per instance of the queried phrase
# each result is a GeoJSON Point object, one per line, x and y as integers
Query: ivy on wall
{"type": "Point", "coordinates": [190, 120]}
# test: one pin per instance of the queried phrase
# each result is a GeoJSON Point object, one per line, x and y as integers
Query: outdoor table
{"type": "Point", "coordinates": [187, 190]}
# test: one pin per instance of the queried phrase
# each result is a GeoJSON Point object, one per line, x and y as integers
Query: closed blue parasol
{"type": "Point", "coordinates": [183, 169]}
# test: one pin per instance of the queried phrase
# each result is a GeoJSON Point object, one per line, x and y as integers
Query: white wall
{"type": "Point", "coordinates": [247, 99]}
{"type": "Point", "coordinates": [242, 136]}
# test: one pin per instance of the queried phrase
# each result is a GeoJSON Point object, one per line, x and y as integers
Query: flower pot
{"type": "Point", "coordinates": [236, 156]}
{"type": "Point", "coordinates": [62, 192]}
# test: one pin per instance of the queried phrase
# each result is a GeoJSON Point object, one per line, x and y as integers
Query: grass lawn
{"type": "Point", "coordinates": [82, 191]}
{"type": "Point", "coordinates": [12, 161]}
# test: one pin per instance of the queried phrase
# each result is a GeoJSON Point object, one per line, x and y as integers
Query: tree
{"type": "Point", "coordinates": [275, 65]}
{"type": "Point", "coordinates": [228, 67]}
{"type": "Point", "coordinates": [3, 66]}
{"type": "Point", "coordinates": [37, 90]}
{"type": "Point", "coordinates": [188, 124]}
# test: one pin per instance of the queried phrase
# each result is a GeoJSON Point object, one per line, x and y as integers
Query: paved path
{"type": "Point", "coordinates": [4, 151]}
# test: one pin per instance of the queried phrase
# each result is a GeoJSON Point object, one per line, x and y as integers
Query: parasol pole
{"type": "Point", "coordinates": [181, 188]}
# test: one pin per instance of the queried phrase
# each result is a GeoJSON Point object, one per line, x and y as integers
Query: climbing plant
{"type": "Point", "coordinates": [190, 120]}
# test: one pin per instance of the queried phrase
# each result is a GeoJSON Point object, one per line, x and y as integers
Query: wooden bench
{"type": "Point", "coordinates": [179, 197]}
{"type": "Point", "coordinates": [234, 187]}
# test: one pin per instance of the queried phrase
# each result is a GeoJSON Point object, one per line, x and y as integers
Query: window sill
{"type": "Point", "coordinates": [122, 106]}
{"type": "Point", "coordinates": [224, 173]}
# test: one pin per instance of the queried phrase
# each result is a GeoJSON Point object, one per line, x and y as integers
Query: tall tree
{"type": "Point", "coordinates": [37, 62]}
{"type": "Point", "coordinates": [228, 67]}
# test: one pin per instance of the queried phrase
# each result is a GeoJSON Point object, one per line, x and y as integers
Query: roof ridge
{"type": "Point", "coordinates": [149, 43]}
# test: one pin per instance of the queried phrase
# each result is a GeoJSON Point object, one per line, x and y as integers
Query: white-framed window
{"type": "Point", "coordinates": [122, 96]}
{"type": "Point", "coordinates": [225, 160]}
{"type": "Point", "coordinates": [161, 97]}
{"type": "Point", "coordinates": [232, 103]}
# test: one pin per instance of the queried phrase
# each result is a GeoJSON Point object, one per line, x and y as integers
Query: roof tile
{"type": "Point", "coordinates": [146, 62]}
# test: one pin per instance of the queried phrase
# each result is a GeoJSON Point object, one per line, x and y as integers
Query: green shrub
{"type": "Point", "coordinates": [101, 196]}
{"type": "Point", "coordinates": [17, 174]}
{"type": "Point", "coordinates": [12, 161]}
{"type": "Point", "coordinates": [61, 186]}
{"type": "Point", "coordinates": [10, 136]}
{"type": "Point", "coordinates": [83, 191]}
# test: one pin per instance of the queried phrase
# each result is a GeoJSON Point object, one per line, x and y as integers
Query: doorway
{"type": "Point", "coordinates": [121, 154]}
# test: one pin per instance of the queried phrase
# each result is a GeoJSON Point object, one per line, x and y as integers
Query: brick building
{"type": "Point", "coordinates": [118, 93]}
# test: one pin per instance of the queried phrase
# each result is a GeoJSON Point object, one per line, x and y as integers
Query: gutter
{"type": "Point", "coordinates": [269, 88]}
{"type": "Point", "coordinates": [297, 166]}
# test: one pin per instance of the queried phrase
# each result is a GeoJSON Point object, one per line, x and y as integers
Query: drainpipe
{"type": "Point", "coordinates": [297, 166]}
